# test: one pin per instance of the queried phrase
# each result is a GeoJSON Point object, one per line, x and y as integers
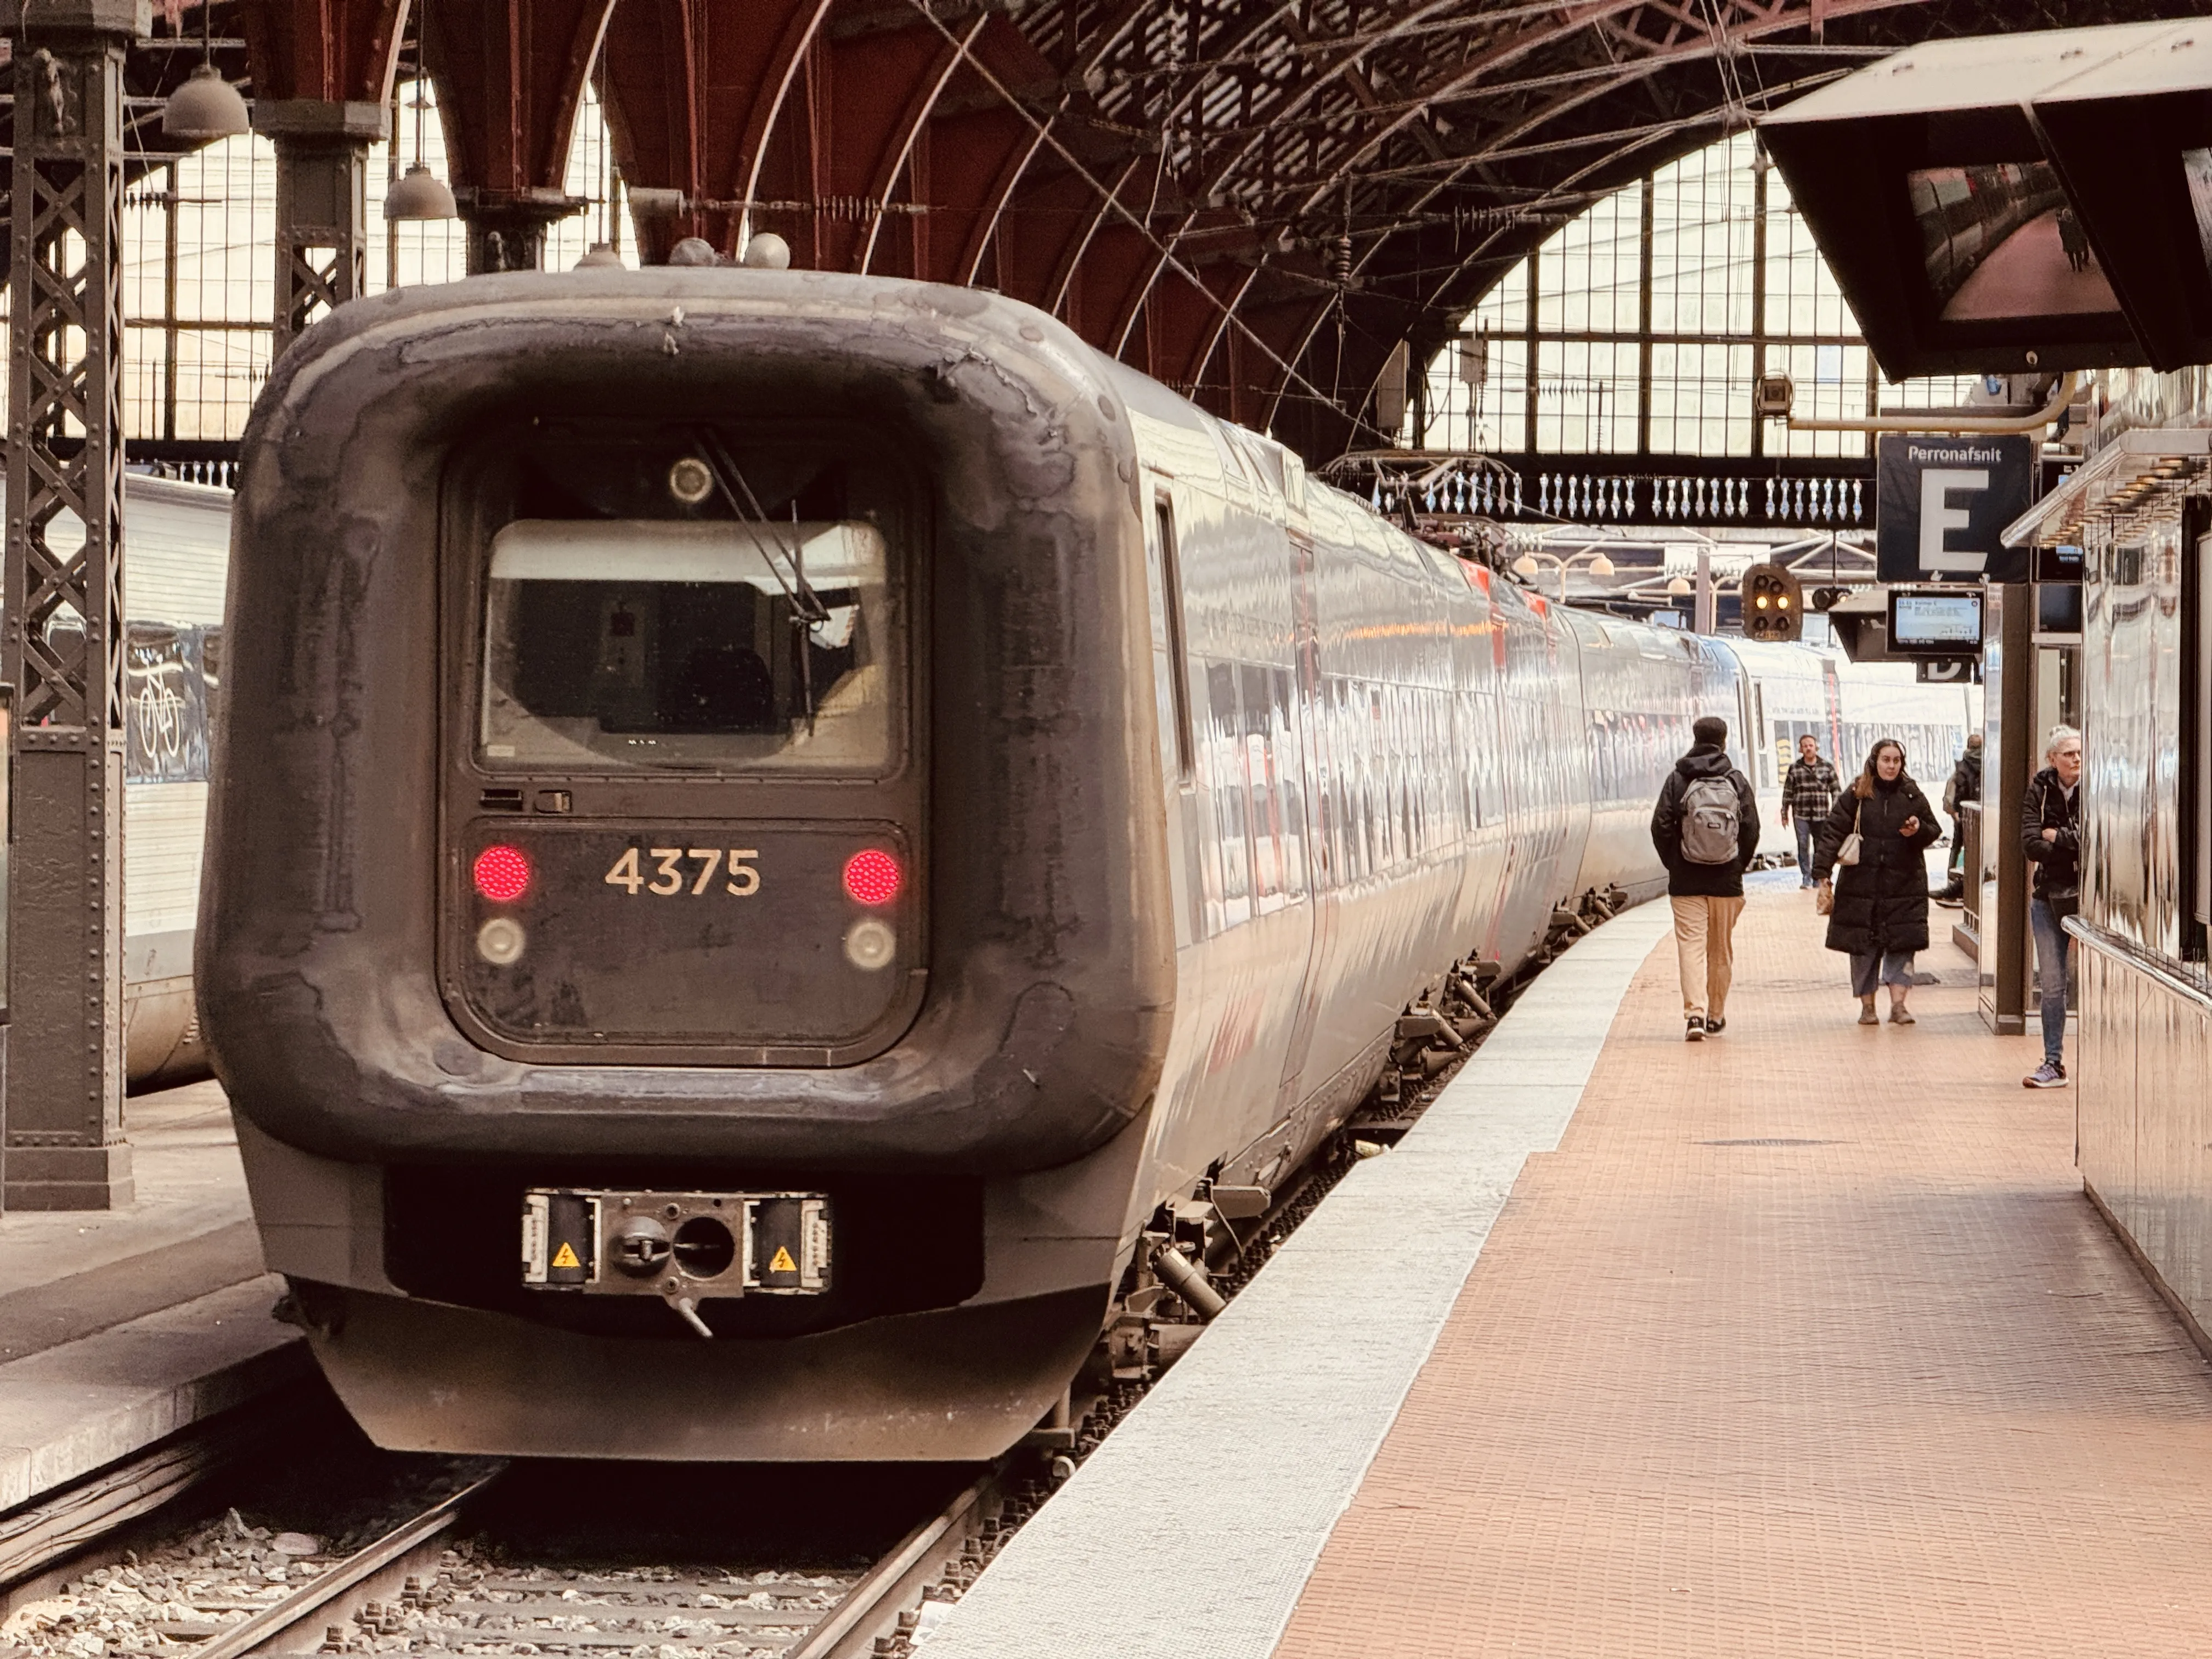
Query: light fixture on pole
{"type": "Point", "coordinates": [206, 107]}
{"type": "Point", "coordinates": [1530, 563]}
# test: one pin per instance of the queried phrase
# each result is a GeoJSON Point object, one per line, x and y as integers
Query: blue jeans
{"type": "Point", "coordinates": [1804, 851]}
{"type": "Point", "coordinates": [1886, 966]}
{"type": "Point", "coordinates": [2054, 969]}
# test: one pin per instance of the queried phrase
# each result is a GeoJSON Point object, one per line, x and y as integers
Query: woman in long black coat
{"type": "Point", "coordinates": [1880, 913]}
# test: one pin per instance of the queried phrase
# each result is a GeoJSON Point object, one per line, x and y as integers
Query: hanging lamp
{"type": "Point", "coordinates": [420, 194]}
{"type": "Point", "coordinates": [206, 107]}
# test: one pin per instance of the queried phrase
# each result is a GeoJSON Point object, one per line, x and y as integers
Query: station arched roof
{"type": "Point", "coordinates": [1254, 201]}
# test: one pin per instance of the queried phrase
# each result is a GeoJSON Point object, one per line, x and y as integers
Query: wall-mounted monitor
{"type": "Point", "coordinates": [1953, 216]}
{"type": "Point", "coordinates": [2057, 613]}
{"type": "Point", "coordinates": [1999, 242]}
{"type": "Point", "coordinates": [2132, 138]}
{"type": "Point", "coordinates": [1935, 622]}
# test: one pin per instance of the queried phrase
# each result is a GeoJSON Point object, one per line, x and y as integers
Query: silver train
{"type": "Point", "coordinates": [819, 813]}
{"type": "Point", "coordinates": [176, 553]}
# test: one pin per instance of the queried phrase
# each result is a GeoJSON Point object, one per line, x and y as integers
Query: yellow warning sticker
{"type": "Point", "coordinates": [781, 1262]}
{"type": "Point", "coordinates": [565, 1257]}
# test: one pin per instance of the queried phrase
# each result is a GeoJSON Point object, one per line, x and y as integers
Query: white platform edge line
{"type": "Point", "coordinates": [1192, 1532]}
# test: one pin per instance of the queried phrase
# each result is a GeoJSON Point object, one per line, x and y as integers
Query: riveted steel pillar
{"type": "Point", "coordinates": [61, 648]}
{"type": "Point", "coordinates": [322, 205]}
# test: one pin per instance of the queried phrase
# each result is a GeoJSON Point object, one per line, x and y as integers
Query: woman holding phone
{"type": "Point", "coordinates": [1874, 843]}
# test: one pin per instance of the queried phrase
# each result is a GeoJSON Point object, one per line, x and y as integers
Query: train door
{"type": "Point", "coordinates": [1747, 735]}
{"type": "Point", "coordinates": [1178, 732]}
{"type": "Point", "coordinates": [1310, 748]}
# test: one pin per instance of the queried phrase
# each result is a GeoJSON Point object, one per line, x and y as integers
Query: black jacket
{"type": "Point", "coordinates": [1684, 879]}
{"type": "Point", "coordinates": [2057, 863]}
{"type": "Point", "coordinates": [1966, 781]}
{"type": "Point", "coordinates": [1882, 901]}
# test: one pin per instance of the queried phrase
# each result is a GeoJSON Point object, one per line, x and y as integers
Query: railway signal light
{"type": "Point", "coordinates": [1773, 603]}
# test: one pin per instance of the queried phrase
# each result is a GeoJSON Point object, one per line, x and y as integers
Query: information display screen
{"type": "Point", "coordinates": [1939, 624]}
{"type": "Point", "coordinates": [2001, 242]}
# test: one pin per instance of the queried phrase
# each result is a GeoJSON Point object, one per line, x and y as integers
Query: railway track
{"type": "Point", "coordinates": [449, 1578]}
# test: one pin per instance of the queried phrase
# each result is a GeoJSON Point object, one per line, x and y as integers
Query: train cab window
{"type": "Point", "coordinates": [714, 644]}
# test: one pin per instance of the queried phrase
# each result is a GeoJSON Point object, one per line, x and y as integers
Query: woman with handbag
{"type": "Point", "coordinates": [1874, 840]}
{"type": "Point", "coordinates": [2050, 836]}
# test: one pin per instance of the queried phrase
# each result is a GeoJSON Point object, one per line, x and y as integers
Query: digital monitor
{"type": "Point", "coordinates": [1935, 622]}
{"type": "Point", "coordinates": [2059, 609]}
{"type": "Point", "coordinates": [2000, 242]}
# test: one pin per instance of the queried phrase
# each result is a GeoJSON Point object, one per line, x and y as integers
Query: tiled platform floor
{"type": "Point", "coordinates": [1804, 1341]}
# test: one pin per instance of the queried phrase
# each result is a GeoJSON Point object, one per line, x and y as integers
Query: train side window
{"type": "Point", "coordinates": [1178, 660]}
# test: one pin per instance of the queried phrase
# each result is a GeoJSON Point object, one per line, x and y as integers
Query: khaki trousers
{"type": "Point", "coordinates": [1704, 951]}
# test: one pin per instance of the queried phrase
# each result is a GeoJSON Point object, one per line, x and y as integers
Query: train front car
{"type": "Point", "coordinates": [687, 863]}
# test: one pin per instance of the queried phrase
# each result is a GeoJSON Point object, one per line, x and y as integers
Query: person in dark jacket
{"type": "Point", "coordinates": [1705, 878]}
{"type": "Point", "coordinates": [2050, 836]}
{"type": "Point", "coordinates": [1880, 914]}
{"type": "Point", "coordinates": [1965, 785]}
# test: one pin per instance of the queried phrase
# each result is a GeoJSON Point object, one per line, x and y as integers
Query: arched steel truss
{"type": "Point", "coordinates": [1255, 201]}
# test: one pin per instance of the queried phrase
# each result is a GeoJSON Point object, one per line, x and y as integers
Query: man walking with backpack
{"type": "Point", "coordinates": [1705, 828]}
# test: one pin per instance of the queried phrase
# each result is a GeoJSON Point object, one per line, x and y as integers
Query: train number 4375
{"type": "Point", "coordinates": [671, 875]}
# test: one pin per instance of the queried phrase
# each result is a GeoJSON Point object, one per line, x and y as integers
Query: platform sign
{"type": "Point", "coordinates": [1942, 503]}
{"type": "Point", "coordinates": [1948, 670]}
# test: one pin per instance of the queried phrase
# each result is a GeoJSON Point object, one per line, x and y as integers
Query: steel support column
{"type": "Point", "coordinates": [63, 645]}
{"type": "Point", "coordinates": [322, 205]}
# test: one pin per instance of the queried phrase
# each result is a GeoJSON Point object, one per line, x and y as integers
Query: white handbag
{"type": "Point", "coordinates": [1849, 852]}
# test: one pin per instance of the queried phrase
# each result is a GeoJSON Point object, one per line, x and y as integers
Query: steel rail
{"type": "Point", "coordinates": [871, 1607]}
{"type": "Point", "coordinates": [392, 1552]}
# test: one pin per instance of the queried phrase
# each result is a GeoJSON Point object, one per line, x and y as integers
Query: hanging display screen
{"type": "Point", "coordinates": [1941, 622]}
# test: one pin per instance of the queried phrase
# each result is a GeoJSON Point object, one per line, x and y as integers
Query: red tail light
{"type": "Point", "coordinates": [873, 877]}
{"type": "Point", "coordinates": [502, 874]}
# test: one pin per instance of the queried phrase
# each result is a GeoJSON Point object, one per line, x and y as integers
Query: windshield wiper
{"type": "Point", "coordinates": [804, 604]}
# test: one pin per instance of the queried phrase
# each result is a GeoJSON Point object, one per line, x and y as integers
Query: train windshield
{"type": "Point", "coordinates": [719, 644]}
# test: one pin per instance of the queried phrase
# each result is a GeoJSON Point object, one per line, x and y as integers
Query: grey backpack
{"type": "Point", "coordinates": [1712, 818]}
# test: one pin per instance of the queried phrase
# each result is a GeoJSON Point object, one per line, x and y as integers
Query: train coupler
{"type": "Point", "coordinates": [682, 1247]}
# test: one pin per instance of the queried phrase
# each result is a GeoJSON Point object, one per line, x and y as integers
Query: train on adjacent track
{"type": "Point", "coordinates": [813, 812]}
{"type": "Point", "coordinates": [176, 552]}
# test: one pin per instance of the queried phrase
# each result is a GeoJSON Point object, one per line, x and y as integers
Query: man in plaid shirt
{"type": "Point", "coordinates": [1809, 789]}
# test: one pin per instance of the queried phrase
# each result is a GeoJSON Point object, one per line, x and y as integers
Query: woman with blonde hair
{"type": "Point", "coordinates": [1874, 840]}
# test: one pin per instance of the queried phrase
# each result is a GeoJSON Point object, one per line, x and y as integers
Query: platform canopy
{"type": "Point", "coordinates": [1257, 201]}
